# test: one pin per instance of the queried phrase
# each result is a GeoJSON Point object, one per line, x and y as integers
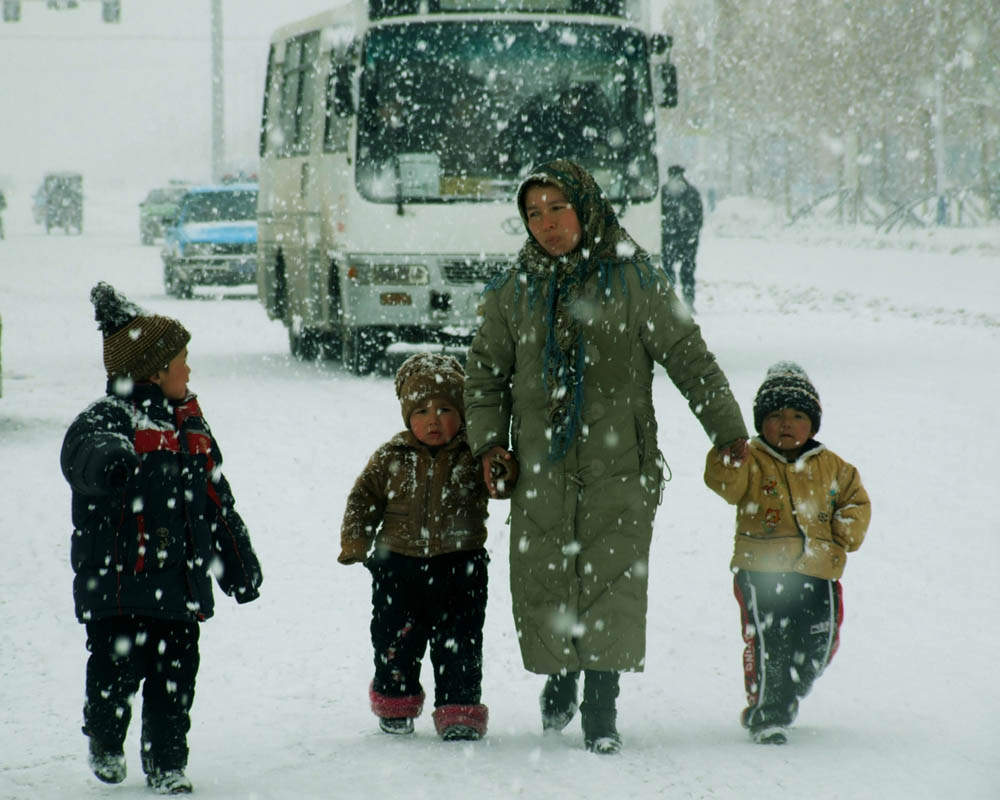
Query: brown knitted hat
{"type": "Point", "coordinates": [137, 344]}
{"type": "Point", "coordinates": [426, 375]}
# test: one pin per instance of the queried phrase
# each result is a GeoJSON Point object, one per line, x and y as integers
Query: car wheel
{"type": "Point", "coordinates": [169, 279]}
{"type": "Point", "coordinates": [172, 282]}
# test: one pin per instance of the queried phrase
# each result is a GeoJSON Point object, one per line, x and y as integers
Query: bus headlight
{"type": "Point", "coordinates": [389, 274]}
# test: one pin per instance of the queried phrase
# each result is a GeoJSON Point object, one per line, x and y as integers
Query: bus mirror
{"type": "Point", "coordinates": [660, 43]}
{"type": "Point", "coordinates": [668, 79]}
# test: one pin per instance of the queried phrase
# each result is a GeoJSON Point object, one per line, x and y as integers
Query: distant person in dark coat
{"type": "Point", "coordinates": [681, 223]}
{"type": "Point", "coordinates": [153, 521]}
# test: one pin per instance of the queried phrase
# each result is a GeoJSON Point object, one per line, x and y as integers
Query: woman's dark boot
{"type": "Point", "coordinates": [598, 712]}
{"type": "Point", "coordinates": [558, 700]}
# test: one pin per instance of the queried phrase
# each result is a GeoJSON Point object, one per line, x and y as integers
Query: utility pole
{"type": "Point", "coordinates": [938, 123]}
{"type": "Point", "coordinates": [218, 95]}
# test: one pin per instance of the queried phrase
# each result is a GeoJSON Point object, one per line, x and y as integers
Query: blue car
{"type": "Point", "coordinates": [213, 239]}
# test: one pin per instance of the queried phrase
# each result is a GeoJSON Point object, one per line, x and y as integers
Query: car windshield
{"type": "Point", "coordinates": [453, 111]}
{"type": "Point", "coordinates": [220, 206]}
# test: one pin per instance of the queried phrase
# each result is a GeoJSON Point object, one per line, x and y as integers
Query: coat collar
{"type": "Point", "coordinates": [147, 397]}
{"type": "Point", "coordinates": [407, 439]}
{"type": "Point", "coordinates": [809, 450]}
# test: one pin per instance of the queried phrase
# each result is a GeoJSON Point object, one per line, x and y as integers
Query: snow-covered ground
{"type": "Point", "coordinates": [903, 345]}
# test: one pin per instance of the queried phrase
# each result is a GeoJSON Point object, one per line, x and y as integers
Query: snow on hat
{"type": "Point", "coordinates": [426, 375]}
{"type": "Point", "coordinates": [137, 344]}
{"type": "Point", "coordinates": [786, 385]}
{"type": "Point", "coordinates": [675, 170]}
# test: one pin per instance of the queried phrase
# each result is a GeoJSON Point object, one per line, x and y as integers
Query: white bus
{"type": "Point", "coordinates": [394, 134]}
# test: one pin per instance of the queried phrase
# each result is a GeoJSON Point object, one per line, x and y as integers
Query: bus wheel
{"type": "Point", "coordinates": [331, 345]}
{"type": "Point", "coordinates": [362, 349]}
{"type": "Point", "coordinates": [304, 345]}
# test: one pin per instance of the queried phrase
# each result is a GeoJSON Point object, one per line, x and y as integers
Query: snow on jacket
{"type": "Point", "coordinates": [581, 526]}
{"type": "Point", "coordinates": [803, 516]}
{"type": "Point", "coordinates": [153, 514]}
{"type": "Point", "coordinates": [411, 501]}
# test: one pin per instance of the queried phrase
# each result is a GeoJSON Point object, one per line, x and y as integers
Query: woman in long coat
{"type": "Point", "coordinates": [559, 385]}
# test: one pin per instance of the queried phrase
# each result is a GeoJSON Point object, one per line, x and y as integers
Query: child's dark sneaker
{"type": "Point", "coordinates": [169, 781]}
{"type": "Point", "coordinates": [107, 764]}
{"type": "Point", "coordinates": [558, 701]}
{"type": "Point", "coordinates": [769, 734]}
{"type": "Point", "coordinates": [460, 733]}
{"type": "Point", "coordinates": [399, 726]}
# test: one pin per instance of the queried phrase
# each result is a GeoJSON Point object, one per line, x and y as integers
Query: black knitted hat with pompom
{"type": "Point", "coordinates": [137, 344]}
{"type": "Point", "coordinates": [426, 375]}
{"type": "Point", "coordinates": [786, 385]}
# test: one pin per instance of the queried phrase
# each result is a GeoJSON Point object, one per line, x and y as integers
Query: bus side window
{"type": "Point", "coordinates": [298, 91]}
{"type": "Point", "coordinates": [339, 106]}
{"type": "Point", "coordinates": [270, 84]}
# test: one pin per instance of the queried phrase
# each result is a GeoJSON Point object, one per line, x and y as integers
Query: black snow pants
{"type": "Point", "coordinates": [163, 656]}
{"type": "Point", "coordinates": [439, 601]}
{"type": "Point", "coordinates": [791, 626]}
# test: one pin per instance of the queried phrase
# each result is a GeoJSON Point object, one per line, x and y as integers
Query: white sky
{"type": "Point", "coordinates": [130, 103]}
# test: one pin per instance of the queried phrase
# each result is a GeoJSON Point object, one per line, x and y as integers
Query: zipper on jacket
{"type": "Point", "coordinates": [140, 562]}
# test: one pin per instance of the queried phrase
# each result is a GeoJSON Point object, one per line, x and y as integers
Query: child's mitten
{"type": "Point", "coordinates": [353, 551]}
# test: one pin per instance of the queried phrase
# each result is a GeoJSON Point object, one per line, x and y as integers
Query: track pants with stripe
{"type": "Point", "coordinates": [791, 626]}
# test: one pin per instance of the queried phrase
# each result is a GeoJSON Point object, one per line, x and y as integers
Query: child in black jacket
{"type": "Point", "coordinates": [153, 519]}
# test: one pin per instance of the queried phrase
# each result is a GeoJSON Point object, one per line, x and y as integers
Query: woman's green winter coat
{"type": "Point", "coordinates": [581, 526]}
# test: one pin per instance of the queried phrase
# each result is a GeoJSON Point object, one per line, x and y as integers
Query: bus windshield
{"type": "Point", "coordinates": [462, 111]}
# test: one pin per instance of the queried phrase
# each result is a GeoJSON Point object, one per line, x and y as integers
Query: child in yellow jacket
{"type": "Point", "coordinates": [800, 510]}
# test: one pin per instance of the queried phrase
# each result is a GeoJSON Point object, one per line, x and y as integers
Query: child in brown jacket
{"type": "Point", "coordinates": [416, 518]}
{"type": "Point", "coordinates": [800, 510]}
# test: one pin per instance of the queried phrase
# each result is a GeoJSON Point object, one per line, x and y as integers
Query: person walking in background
{"type": "Point", "coordinates": [153, 519]}
{"type": "Point", "coordinates": [416, 518]}
{"type": "Point", "coordinates": [560, 376]}
{"type": "Point", "coordinates": [800, 509]}
{"type": "Point", "coordinates": [681, 221]}
{"type": "Point", "coordinates": [3, 206]}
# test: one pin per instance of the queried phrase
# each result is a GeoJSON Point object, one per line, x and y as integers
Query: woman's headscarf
{"type": "Point", "coordinates": [606, 248]}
